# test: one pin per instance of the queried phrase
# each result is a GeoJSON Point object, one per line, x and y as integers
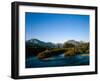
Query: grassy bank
{"type": "Point", "coordinates": [57, 51]}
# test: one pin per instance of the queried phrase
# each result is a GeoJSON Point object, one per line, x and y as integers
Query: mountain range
{"type": "Point", "coordinates": [36, 42]}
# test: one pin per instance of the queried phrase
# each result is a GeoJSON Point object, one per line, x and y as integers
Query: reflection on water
{"type": "Point", "coordinates": [60, 60]}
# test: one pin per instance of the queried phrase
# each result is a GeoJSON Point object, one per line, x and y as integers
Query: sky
{"type": "Point", "coordinates": [56, 28]}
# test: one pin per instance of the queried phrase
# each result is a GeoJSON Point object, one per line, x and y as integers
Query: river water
{"type": "Point", "coordinates": [56, 61]}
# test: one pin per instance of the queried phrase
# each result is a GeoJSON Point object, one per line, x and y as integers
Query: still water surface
{"type": "Point", "coordinates": [59, 60]}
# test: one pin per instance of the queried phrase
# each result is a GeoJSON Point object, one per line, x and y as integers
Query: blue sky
{"type": "Point", "coordinates": [56, 28]}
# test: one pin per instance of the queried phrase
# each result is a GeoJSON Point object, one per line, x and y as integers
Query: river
{"type": "Point", "coordinates": [56, 61]}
